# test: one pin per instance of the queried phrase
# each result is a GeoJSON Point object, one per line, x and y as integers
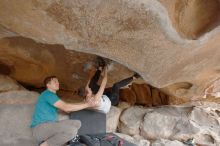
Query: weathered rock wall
{"type": "Point", "coordinates": [169, 43]}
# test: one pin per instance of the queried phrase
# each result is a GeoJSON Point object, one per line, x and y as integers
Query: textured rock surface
{"type": "Point", "coordinates": [131, 120]}
{"type": "Point", "coordinates": [138, 142]}
{"type": "Point", "coordinates": [6, 84]}
{"type": "Point", "coordinates": [18, 97]}
{"type": "Point", "coordinates": [165, 142]}
{"type": "Point", "coordinates": [198, 121]}
{"type": "Point", "coordinates": [29, 63]}
{"type": "Point", "coordinates": [172, 44]}
{"type": "Point", "coordinates": [168, 125]}
{"type": "Point", "coordinates": [16, 117]}
{"type": "Point", "coordinates": [193, 18]}
{"type": "Point", "coordinates": [143, 94]}
{"type": "Point", "coordinates": [113, 119]}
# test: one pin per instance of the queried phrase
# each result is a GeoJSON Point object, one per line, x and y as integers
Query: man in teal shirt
{"type": "Point", "coordinates": [45, 125]}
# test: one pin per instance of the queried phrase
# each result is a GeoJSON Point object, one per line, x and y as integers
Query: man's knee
{"type": "Point", "coordinates": [72, 126]}
{"type": "Point", "coordinates": [69, 128]}
{"type": "Point", "coordinates": [75, 123]}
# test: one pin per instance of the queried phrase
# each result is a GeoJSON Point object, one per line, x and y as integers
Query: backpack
{"type": "Point", "coordinates": [105, 139]}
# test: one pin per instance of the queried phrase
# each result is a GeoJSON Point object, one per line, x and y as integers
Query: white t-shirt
{"type": "Point", "coordinates": [105, 105]}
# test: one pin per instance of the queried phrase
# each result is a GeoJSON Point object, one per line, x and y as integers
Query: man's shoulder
{"type": "Point", "coordinates": [49, 96]}
{"type": "Point", "coordinates": [48, 93]}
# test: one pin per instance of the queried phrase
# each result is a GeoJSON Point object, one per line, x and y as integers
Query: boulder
{"type": "Point", "coordinates": [166, 142]}
{"type": "Point", "coordinates": [131, 120]}
{"type": "Point", "coordinates": [143, 94]}
{"type": "Point", "coordinates": [167, 42]}
{"type": "Point", "coordinates": [128, 96]}
{"type": "Point", "coordinates": [15, 121]}
{"type": "Point", "coordinates": [166, 122]}
{"type": "Point", "coordinates": [113, 119]}
{"type": "Point", "coordinates": [18, 97]}
{"type": "Point", "coordinates": [183, 122]}
{"type": "Point", "coordinates": [124, 105]}
{"type": "Point", "coordinates": [7, 84]}
{"type": "Point", "coordinates": [138, 142]}
{"type": "Point", "coordinates": [199, 120]}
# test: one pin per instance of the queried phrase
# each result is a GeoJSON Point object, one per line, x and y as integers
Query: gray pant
{"type": "Point", "coordinates": [58, 133]}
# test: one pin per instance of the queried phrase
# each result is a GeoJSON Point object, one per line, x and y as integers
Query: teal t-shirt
{"type": "Point", "coordinates": [45, 111]}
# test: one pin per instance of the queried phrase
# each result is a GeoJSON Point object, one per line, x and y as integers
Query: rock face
{"type": "Point", "coordinates": [131, 120]}
{"type": "Point", "coordinates": [29, 63]}
{"type": "Point", "coordinates": [164, 142]}
{"type": "Point", "coordinates": [144, 94]}
{"type": "Point", "coordinates": [172, 44]}
{"type": "Point", "coordinates": [164, 125]}
{"type": "Point", "coordinates": [18, 97]}
{"type": "Point", "coordinates": [16, 117]}
{"type": "Point", "coordinates": [200, 122]}
{"type": "Point", "coordinates": [7, 84]}
{"type": "Point", "coordinates": [193, 18]}
{"type": "Point", "coordinates": [113, 119]}
{"type": "Point", "coordinates": [138, 142]}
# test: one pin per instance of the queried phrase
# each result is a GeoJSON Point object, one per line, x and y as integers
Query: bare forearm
{"type": "Point", "coordinates": [76, 107]}
{"type": "Point", "coordinates": [102, 88]}
{"type": "Point", "coordinates": [104, 82]}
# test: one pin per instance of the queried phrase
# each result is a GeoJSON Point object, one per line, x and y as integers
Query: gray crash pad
{"type": "Point", "coordinates": [92, 122]}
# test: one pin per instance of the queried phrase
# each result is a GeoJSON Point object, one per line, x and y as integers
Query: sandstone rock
{"type": "Point", "coordinates": [15, 120]}
{"type": "Point", "coordinates": [165, 122]}
{"type": "Point", "coordinates": [138, 142]}
{"type": "Point", "coordinates": [16, 117]}
{"type": "Point", "coordinates": [18, 97]}
{"type": "Point", "coordinates": [130, 120]}
{"type": "Point", "coordinates": [205, 140]}
{"type": "Point", "coordinates": [183, 122]}
{"type": "Point", "coordinates": [4, 32]}
{"type": "Point", "coordinates": [207, 119]}
{"type": "Point", "coordinates": [7, 84]}
{"type": "Point", "coordinates": [143, 94]}
{"type": "Point", "coordinates": [17, 53]}
{"type": "Point", "coordinates": [165, 142]}
{"type": "Point", "coordinates": [113, 119]}
{"type": "Point", "coordinates": [216, 86]}
{"type": "Point", "coordinates": [157, 38]}
{"type": "Point", "coordinates": [206, 105]}
{"type": "Point", "coordinates": [190, 18]}
{"type": "Point", "coordinates": [213, 89]}
{"type": "Point", "coordinates": [156, 97]}
{"type": "Point", "coordinates": [164, 98]}
{"type": "Point", "coordinates": [123, 105]}
{"type": "Point", "coordinates": [128, 96]}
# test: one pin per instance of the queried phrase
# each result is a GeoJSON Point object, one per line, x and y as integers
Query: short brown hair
{"type": "Point", "coordinates": [48, 79]}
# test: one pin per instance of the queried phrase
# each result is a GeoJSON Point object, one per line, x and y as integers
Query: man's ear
{"type": "Point", "coordinates": [47, 85]}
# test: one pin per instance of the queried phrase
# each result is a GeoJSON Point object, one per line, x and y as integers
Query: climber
{"type": "Point", "coordinates": [112, 92]}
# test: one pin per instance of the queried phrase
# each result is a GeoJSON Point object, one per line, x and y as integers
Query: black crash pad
{"type": "Point", "coordinates": [92, 122]}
